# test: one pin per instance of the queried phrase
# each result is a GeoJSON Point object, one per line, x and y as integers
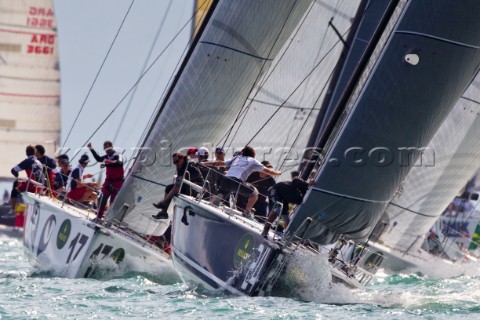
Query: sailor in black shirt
{"type": "Point", "coordinates": [184, 171]}
{"type": "Point", "coordinates": [284, 193]}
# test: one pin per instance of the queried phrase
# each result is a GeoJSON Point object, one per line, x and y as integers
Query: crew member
{"type": "Point", "coordinates": [113, 162]}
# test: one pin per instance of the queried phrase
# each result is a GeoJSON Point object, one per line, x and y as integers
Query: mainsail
{"type": "Point", "coordinates": [452, 158]}
{"type": "Point", "coordinates": [29, 78]}
{"type": "Point", "coordinates": [228, 57]}
{"type": "Point", "coordinates": [422, 64]}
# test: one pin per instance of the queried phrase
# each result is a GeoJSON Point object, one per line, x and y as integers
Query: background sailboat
{"type": "Point", "coordinates": [85, 243]}
{"type": "Point", "coordinates": [449, 161]}
{"type": "Point", "coordinates": [30, 77]}
{"type": "Point", "coordinates": [29, 83]}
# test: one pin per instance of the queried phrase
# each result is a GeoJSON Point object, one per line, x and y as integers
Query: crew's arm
{"type": "Point", "coordinates": [217, 163]}
{"type": "Point", "coordinates": [95, 154]}
{"type": "Point", "coordinates": [271, 172]}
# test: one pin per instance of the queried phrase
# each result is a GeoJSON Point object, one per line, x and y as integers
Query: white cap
{"type": "Point", "coordinates": [202, 151]}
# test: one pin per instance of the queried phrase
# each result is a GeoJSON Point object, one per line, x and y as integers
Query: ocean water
{"type": "Point", "coordinates": [26, 294]}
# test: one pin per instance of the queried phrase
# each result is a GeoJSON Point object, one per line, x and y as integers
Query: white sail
{"type": "Point", "coordinates": [205, 97]}
{"type": "Point", "coordinates": [291, 94]}
{"type": "Point", "coordinates": [451, 159]}
{"type": "Point", "coordinates": [29, 79]}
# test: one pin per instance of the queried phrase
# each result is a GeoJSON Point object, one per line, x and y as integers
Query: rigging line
{"type": "Point", "coordinates": [301, 82]}
{"type": "Point", "coordinates": [172, 75]}
{"type": "Point", "coordinates": [136, 83]}
{"type": "Point", "coordinates": [258, 79]}
{"type": "Point", "coordinates": [247, 106]}
{"type": "Point", "coordinates": [306, 118]}
{"type": "Point", "coordinates": [138, 80]}
{"type": "Point", "coordinates": [132, 96]}
{"type": "Point", "coordinates": [242, 111]}
{"type": "Point", "coordinates": [98, 73]}
{"type": "Point", "coordinates": [318, 97]}
{"type": "Point", "coordinates": [341, 195]}
{"type": "Point", "coordinates": [277, 105]}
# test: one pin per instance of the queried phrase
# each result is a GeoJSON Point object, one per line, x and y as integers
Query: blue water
{"type": "Point", "coordinates": [27, 295]}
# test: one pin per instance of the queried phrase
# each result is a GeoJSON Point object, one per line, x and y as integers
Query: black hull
{"type": "Point", "coordinates": [220, 251]}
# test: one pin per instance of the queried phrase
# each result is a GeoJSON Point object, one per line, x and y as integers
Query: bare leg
{"type": "Point", "coordinates": [251, 201]}
{"type": "Point", "coordinates": [271, 218]}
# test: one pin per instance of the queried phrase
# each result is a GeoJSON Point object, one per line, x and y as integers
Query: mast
{"type": "Point", "coordinates": [370, 22]}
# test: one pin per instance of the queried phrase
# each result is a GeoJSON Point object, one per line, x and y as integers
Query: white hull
{"type": "Point", "coordinates": [61, 239]}
{"type": "Point", "coordinates": [419, 261]}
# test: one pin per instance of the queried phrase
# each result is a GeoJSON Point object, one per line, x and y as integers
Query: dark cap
{"type": "Point", "coordinates": [267, 164]}
{"type": "Point", "coordinates": [295, 174]}
{"type": "Point", "coordinates": [84, 159]}
{"type": "Point", "coordinates": [219, 150]}
{"type": "Point", "coordinates": [63, 157]}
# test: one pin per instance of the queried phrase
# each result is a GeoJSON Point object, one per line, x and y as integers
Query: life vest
{"type": "Point", "coordinates": [114, 170]}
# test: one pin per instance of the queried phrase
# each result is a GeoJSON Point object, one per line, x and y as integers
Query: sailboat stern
{"type": "Point", "coordinates": [222, 251]}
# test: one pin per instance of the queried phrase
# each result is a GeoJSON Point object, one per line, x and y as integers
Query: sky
{"type": "Point", "coordinates": [86, 29]}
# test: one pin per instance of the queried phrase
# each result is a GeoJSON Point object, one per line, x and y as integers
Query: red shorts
{"type": "Point", "coordinates": [77, 193]}
{"type": "Point", "coordinates": [22, 187]}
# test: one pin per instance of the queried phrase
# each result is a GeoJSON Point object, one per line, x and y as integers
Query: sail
{"type": "Point", "coordinates": [229, 55]}
{"type": "Point", "coordinates": [368, 25]}
{"type": "Point", "coordinates": [419, 69]}
{"type": "Point", "coordinates": [201, 9]}
{"type": "Point", "coordinates": [289, 94]}
{"type": "Point", "coordinates": [29, 79]}
{"type": "Point", "coordinates": [454, 157]}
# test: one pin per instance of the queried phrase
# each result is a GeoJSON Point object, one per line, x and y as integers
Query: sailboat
{"type": "Point", "coordinates": [30, 89]}
{"type": "Point", "coordinates": [60, 237]}
{"type": "Point", "coordinates": [412, 72]}
{"type": "Point", "coordinates": [449, 161]}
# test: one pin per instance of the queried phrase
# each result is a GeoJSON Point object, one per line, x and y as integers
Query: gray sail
{"type": "Point", "coordinates": [454, 157]}
{"type": "Point", "coordinates": [289, 94]}
{"type": "Point", "coordinates": [422, 64]}
{"type": "Point", "coordinates": [240, 40]}
{"type": "Point", "coordinates": [368, 25]}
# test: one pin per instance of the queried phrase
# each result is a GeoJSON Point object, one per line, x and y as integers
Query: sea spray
{"type": "Point", "coordinates": [307, 277]}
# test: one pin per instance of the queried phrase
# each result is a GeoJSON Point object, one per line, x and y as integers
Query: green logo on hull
{"type": "Point", "coordinates": [118, 255]}
{"type": "Point", "coordinates": [64, 233]}
{"type": "Point", "coordinates": [244, 250]}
